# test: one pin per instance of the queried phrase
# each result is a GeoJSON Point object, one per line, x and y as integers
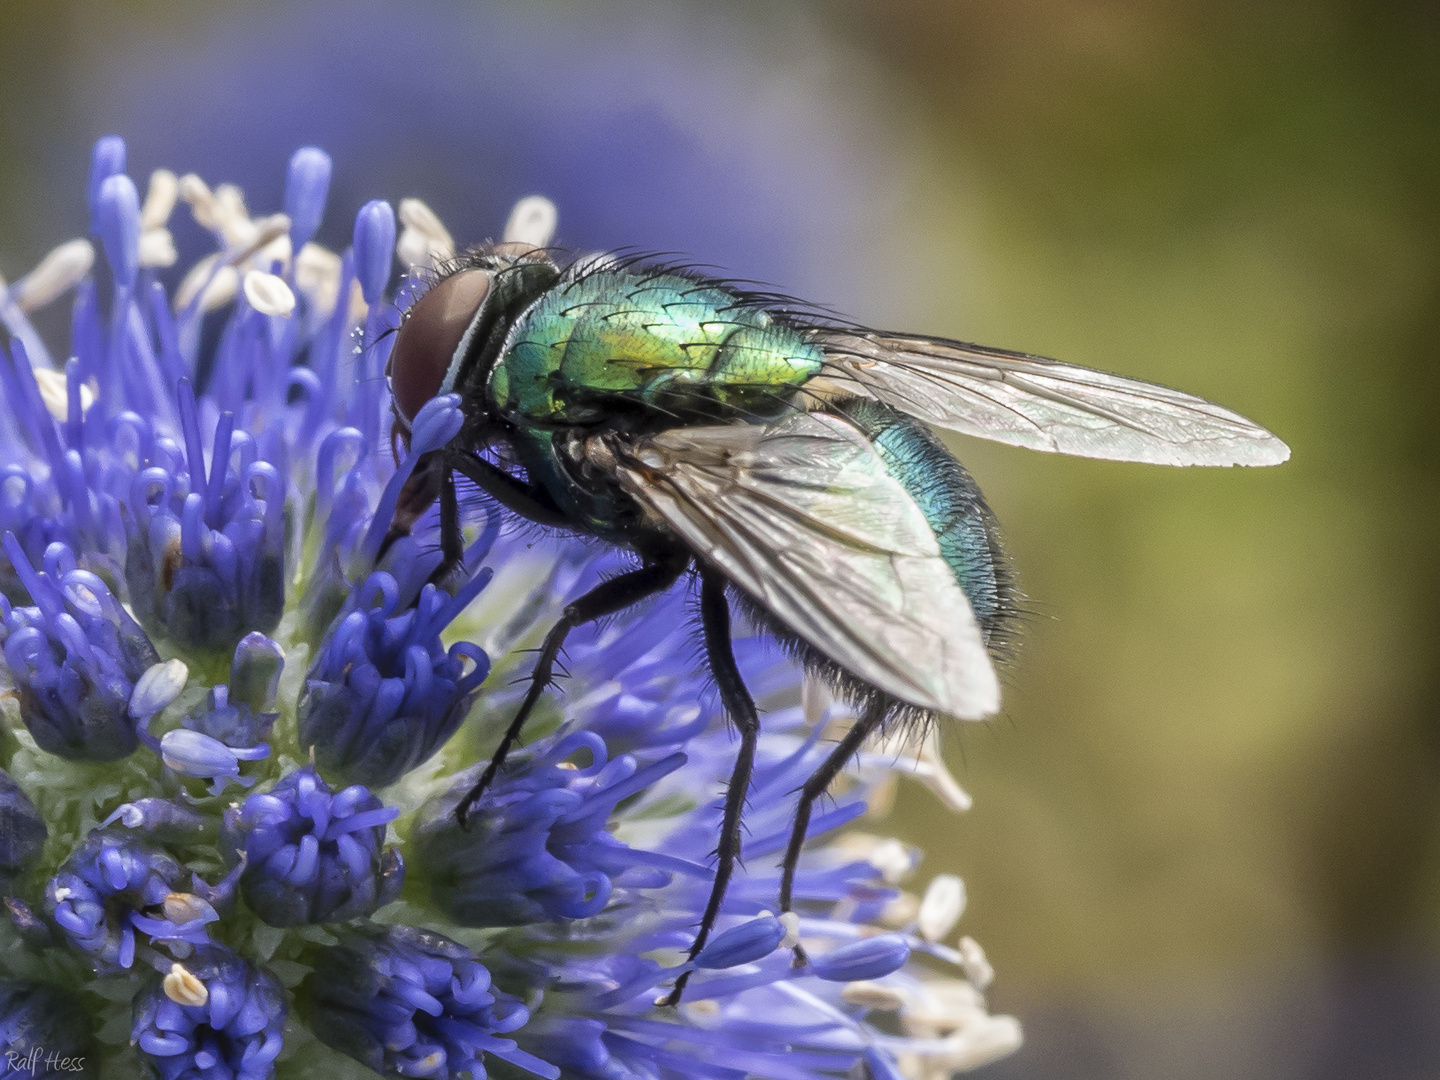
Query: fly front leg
{"type": "Point", "coordinates": [740, 707]}
{"type": "Point", "coordinates": [526, 499]}
{"type": "Point", "coordinates": [452, 539]}
{"type": "Point", "coordinates": [608, 597]}
{"type": "Point", "coordinates": [815, 787]}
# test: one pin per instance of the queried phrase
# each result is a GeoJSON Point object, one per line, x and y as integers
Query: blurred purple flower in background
{"type": "Point", "coordinates": [242, 522]}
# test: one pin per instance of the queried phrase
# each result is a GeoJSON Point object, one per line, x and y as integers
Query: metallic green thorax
{"type": "Point", "coordinates": [613, 343]}
{"type": "Point", "coordinates": [644, 351]}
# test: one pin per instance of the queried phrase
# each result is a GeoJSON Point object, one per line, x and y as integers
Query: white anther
{"type": "Point", "coordinates": [892, 859]}
{"type": "Point", "coordinates": [60, 270]}
{"type": "Point", "coordinates": [55, 393]}
{"type": "Point", "coordinates": [158, 686]}
{"type": "Point", "coordinates": [232, 220]}
{"type": "Point", "coordinates": [942, 907]}
{"type": "Point", "coordinates": [532, 221]}
{"type": "Point", "coordinates": [874, 995]}
{"type": "Point", "coordinates": [941, 1006]}
{"type": "Point", "coordinates": [221, 289]}
{"type": "Point", "coordinates": [263, 243]}
{"type": "Point", "coordinates": [815, 698]}
{"type": "Point", "coordinates": [201, 200]}
{"type": "Point", "coordinates": [701, 1013]}
{"type": "Point", "coordinates": [205, 275]}
{"type": "Point", "coordinates": [412, 249]}
{"type": "Point", "coordinates": [988, 1039]}
{"type": "Point", "coordinates": [186, 907]}
{"type": "Point", "coordinates": [317, 275]}
{"type": "Point", "coordinates": [157, 248]}
{"type": "Point", "coordinates": [936, 775]}
{"type": "Point", "coordinates": [900, 912]}
{"type": "Point", "coordinates": [424, 238]}
{"type": "Point", "coordinates": [268, 294]}
{"type": "Point", "coordinates": [184, 988]}
{"type": "Point", "coordinates": [358, 308]}
{"type": "Point", "coordinates": [791, 921]}
{"type": "Point", "coordinates": [972, 961]}
{"type": "Point", "coordinates": [160, 199]}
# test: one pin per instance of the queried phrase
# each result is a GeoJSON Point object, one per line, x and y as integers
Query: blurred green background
{"type": "Point", "coordinates": [1205, 833]}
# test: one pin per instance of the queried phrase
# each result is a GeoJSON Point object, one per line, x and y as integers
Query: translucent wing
{"type": "Point", "coordinates": [1039, 403]}
{"type": "Point", "coordinates": [802, 515]}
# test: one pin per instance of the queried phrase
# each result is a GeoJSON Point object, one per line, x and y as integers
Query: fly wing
{"type": "Point", "coordinates": [803, 516]}
{"type": "Point", "coordinates": [1039, 403]}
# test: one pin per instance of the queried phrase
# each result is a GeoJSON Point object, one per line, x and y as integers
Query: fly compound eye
{"type": "Point", "coordinates": [428, 338]}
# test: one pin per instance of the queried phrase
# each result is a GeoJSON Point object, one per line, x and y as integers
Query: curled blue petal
{"type": "Point", "coordinates": [536, 845]}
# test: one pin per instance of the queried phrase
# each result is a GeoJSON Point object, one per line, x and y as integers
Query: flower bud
{"type": "Point", "coordinates": [743, 944]}
{"type": "Point", "coordinates": [100, 893]}
{"type": "Point", "coordinates": [75, 658]}
{"type": "Point", "coordinates": [374, 248]}
{"type": "Point", "coordinates": [107, 159]}
{"type": "Point", "coordinates": [535, 846]}
{"type": "Point", "coordinates": [870, 958]}
{"type": "Point", "coordinates": [218, 1015]}
{"type": "Point", "coordinates": [307, 183]}
{"type": "Point", "coordinates": [408, 1002]}
{"type": "Point", "coordinates": [312, 856]}
{"type": "Point", "coordinates": [384, 694]}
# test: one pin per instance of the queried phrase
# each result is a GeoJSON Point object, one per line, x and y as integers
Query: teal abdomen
{"type": "Point", "coordinates": [608, 342]}
{"type": "Point", "coordinates": [952, 504]}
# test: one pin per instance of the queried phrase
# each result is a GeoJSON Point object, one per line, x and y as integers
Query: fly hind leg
{"type": "Point", "coordinates": [740, 707]}
{"type": "Point", "coordinates": [813, 789]}
{"type": "Point", "coordinates": [608, 597]}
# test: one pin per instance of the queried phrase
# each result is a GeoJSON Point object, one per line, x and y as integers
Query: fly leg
{"type": "Point", "coordinates": [740, 707]}
{"type": "Point", "coordinates": [815, 787]}
{"type": "Point", "coordinates": [605, 599]}
{"type": "Point", "coordinates": [417, 496]}
{"type": "Point", "coordinates": [452, 540]}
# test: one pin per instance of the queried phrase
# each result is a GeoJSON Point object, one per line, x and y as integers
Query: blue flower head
{"type": "Point", "coordinates": [410, 1003]}
{"type": "Point", "coordinates": [210, 574]}
{"type": "Point", "coordinates": [213, 1017]}
{"type": "Point", "coordinates": [112, 887]}
{"type": "Point", "coordinates": [536, 846]}
{"type": "Point", "coordinates": [206, 559]}
{"type": "Point", "coordinates": [384, 694]}
{"type": "Point", "coordinates": [311, 856]}
{"type": "Point", "coordinates": [75, 657]}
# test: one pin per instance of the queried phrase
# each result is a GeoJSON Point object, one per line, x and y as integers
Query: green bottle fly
{"type": "Point", "coordinates": [783, 461]}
